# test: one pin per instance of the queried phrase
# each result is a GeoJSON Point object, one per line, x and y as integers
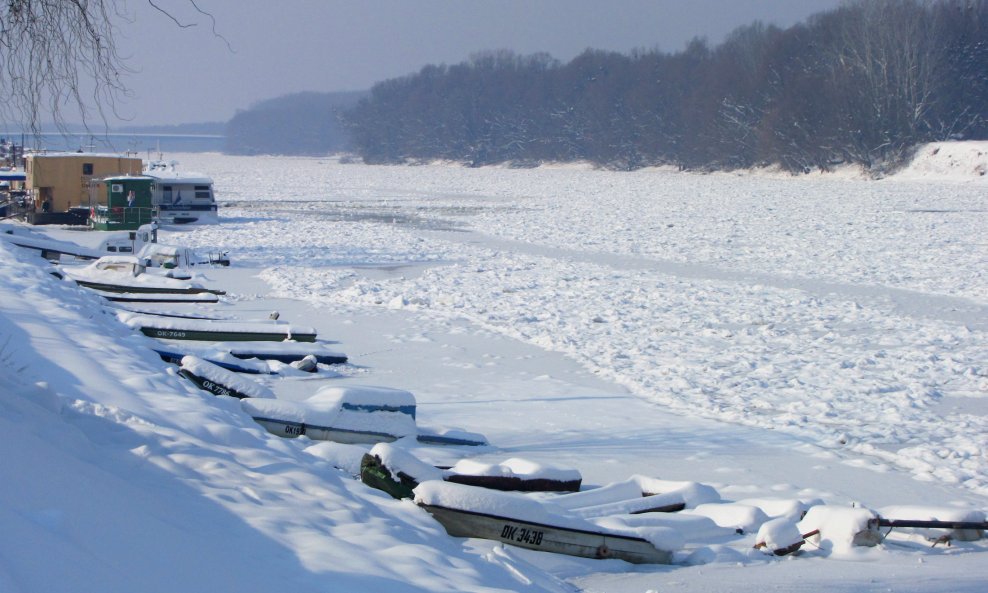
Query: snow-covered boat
{"type": "Point", "coordinates": [286, 352]}
{"type": "Point", "coordinates": [224, 360]}
{"type": "Point", "coordinates": [181, 198]}
{"type": "Point", "coordinates": [219, 381]}
{"type": "Point", "coordinates": [398, 472]}
{"type": "Point", "coordinates": [353, 415]}
{"type": "Point", "coordinates": [253, 357]}
{"type": "Point", "coordinates": [49, 248]}
{"type": "Point", "coordinates": [127, 274]}
{"type": "Point", "coordinates": [514, 519]}
{"type": "Point", "coordinates": [213, 331]}
{"type": "Point", "coordinates": [158, 297]}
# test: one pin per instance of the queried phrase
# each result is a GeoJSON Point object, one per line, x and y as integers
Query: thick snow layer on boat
{"type": "Point", "coordinates": [733, 515]}
{"type": "Point", "coordinates": [24, 238]}
{"type": "Point", "coordinates": [516, 467]}
{"type": "Point", "coordinates": [492, 502]}
{"type": "Point", "coordinates": [329, 414]}
{"type": "Point", "coordinates": [670, 501]}
{"type": "Point", "coordinates": [694, 528]}
{"type": "Point", "coordinates": [693, 493]}
{"type": "Point", "coordinates": [288, 411]}
{"type": "Point", "coordinates": [137, 321]}
{"type": "Point", "coordinates": [931, 513]}
{"type": "Point", "coordinates": [287, 348]}
{"type": "Point", "coordinates": [840, 528]}
{"type": "Point", "coordinates": [365, 398]}
{"type": "Point", "coordinates": [614, 492]}
{"type": "Point", "coordinates": [124, 271]}
{"type": "Point", "coordinates": [778, 534]}
{"type": "Point", "coordinates": [450, 436]}
{"type": "Point", "coordinates": [175, 354]}
{"type": "Point", "coordinates": [208, 370]}
{"type": "Point", "coordinates": [523, 508]}
{"type": "Point", "coordinates": [397, 459]}
{"type": "Point", "coordinates": [340, 455]}
{"type": "Point", "coordinates": [787, 508]}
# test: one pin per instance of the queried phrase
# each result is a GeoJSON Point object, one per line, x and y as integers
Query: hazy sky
{"type": "Point", "coordinates": [276, 47]}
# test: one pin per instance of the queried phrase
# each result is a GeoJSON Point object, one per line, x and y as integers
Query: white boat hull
{"type": "Point", "coordinates": [548, 538]}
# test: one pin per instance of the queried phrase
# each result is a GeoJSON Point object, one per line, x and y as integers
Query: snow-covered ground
{"type": "Point", "coordinates": [817, 338]}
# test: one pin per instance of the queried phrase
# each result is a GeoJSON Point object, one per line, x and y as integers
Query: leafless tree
{"type": "Point", "coordinates": [887, 63]}
{"type": "Point", "coordinates": [59, 59]}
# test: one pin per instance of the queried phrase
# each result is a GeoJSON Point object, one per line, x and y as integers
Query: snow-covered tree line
{"type": "Point", "coordinates": [863, 83]}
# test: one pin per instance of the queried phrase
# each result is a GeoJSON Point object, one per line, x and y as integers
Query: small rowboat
{"type": "Point", "coordinates": [512, 525]}
{"type": "Point", "coordinates": [398, 473]}
{"type": "Point", "coordinates": [216, 331]}
{"type": "Point", "coordinates": [159, 297]}
{"type": "Point", "coordinates": [219, 381]}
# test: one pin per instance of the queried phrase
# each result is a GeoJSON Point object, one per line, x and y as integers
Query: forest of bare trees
{"type": "Point", "coordinates": [864, 83]}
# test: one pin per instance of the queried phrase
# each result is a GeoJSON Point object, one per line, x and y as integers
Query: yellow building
{"type": "Point", "coordinates": [63, 178]}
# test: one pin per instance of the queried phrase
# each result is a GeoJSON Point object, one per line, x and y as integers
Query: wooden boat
{"type": "Point", "coordinates": [399, 483]}
{"type": "Point", "coordinates": [397, 473]}
{"type": "Point", "coordinates": [937, 523]}
{"type": "Point", "coordinates": [516, 483]}
{"type": "Point", "coordinates": [548, 533]}
{"type": "Point", "coordinates": [216, 331]}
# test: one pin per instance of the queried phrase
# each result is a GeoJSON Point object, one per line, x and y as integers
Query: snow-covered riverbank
{"type": "Point", "coordinates": [804, 338]}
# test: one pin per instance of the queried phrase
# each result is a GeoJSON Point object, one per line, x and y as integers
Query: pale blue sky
{"type": "Point", "coordinates": [286, 46]}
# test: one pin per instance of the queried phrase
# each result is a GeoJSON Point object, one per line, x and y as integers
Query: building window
{"type": "Point", "coordinates": [87, 168]}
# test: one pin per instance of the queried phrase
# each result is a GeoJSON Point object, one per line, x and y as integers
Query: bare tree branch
{"type": "Point", "coordinates": [59, 60]}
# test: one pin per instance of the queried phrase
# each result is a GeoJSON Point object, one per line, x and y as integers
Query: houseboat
{"type": "Point", "coordinates": [181, 198]}
{"type": "Point", "coordinates": [119, 203]}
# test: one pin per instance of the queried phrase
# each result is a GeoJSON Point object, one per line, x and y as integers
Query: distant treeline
{"type": "Point", "coordinates": [303, 123]}
{"type": "Point", "coordinates": [864, 83]}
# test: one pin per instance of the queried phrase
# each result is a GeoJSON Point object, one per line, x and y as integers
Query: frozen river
{"type": "Point", "coordinates": [847, 311]}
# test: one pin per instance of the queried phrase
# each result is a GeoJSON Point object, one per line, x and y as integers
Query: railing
{"type": "Point", "coordinates": [122, 216]}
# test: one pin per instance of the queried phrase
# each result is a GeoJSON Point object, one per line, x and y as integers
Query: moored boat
{"type": "Point", "coordinates": [513, 519]}
{"type": "Point", "coordinates": [286, 352]}
{"type": "Point", "coordinates": [398, 472]}
{"type": "Point", "coordinates": [181, 198]}
{"type": "Point", "coordinates": [127, 274]}
{"type": "Point", "coordinates": [353, 415]}
{"type": "Point", "coordinates": [212, 331]}
{"type": "Point", "coordinates": [219, 381]}
{"type": "Point", "coordinates": [158, 297]}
